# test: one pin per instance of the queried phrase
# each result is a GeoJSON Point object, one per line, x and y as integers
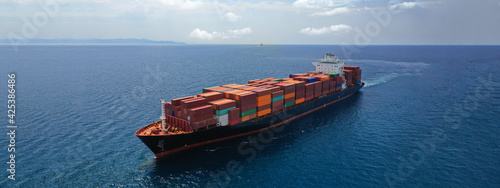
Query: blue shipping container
{"type": "Point", "coordinates": [359, 81]}
{"type": "Point", "coordinates": [338, 85]}
{"type": "Point", "coordinates": [311, 80]}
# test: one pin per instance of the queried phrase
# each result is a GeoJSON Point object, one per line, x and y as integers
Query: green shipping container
{"type": "Point", "coordinates": [289, 104]}
{"type": "Point", "coordinates": [333, 75]}
{"type": "Point", "coordinates": [208, 88]}
{"type": "Point", "coordinates": [277, 80]}
{"type": "Point", "coordinates": [277, 99]}
{"type": "Point", "coordinates": [223, 112]}
{"type": "Point", "coordinates": [248, 112]}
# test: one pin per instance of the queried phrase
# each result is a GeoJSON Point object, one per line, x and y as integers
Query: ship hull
{"type": "Point", "coordinates": [169, 144]}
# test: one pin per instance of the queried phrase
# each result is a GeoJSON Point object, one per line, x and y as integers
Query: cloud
{"type": "Point", "coordinates": [229, 34]}
{"type": "Point", "coordinates": [320, 3]}
{"type": "Point", "coordinates": [325, 30]}
{"type": "Point", "coordinates": [201, 34]}
{"type": "Point", "coordinates": [182, 4]}
{"type": "Point", "coordinates": [332, 12]}
{"type": "Point", "coordinates": [232, 17]}
{"type": "Point", "coordinates": [404, 5]}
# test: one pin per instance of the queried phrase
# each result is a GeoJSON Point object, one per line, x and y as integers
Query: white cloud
{"type": "Point", "coordinates": [325, 30]}
{"type": "Point", "coordinates": [229, 34]}
{"type": "Point", "coordinates": [232, 17]}
{"type": "Point", "coordinates": [182, 4]}
{"type": "Point", "coordinates": [320, 3]}
{"type": "Point", "coordinates": [201, 34]}
{"type": "Point", "coordinates": [332, 12]}
{"type": "Point", "coordinates": [404, 5]}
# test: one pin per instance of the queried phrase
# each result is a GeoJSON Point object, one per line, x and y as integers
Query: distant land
{"type": "Point", "coordinates": [88, 41]}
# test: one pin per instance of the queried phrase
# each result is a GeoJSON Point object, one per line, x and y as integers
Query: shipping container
{"type": "Point", "coordinates": [206, 109]}
{"type": "Point", "coordinates": [222, 104]}
{"type": "Point", "coordinates": [248, 112]}
{"type": "Point", "coordinates": [222, 120]}
{"type": "Point", "coordinates": [203, 124]}
{"type": "Point", "coordinates": [177, 102]}
{"type": "Point", "coordinates": [204, 89]}
{"type": "Point", "coordinates": [301, 100]}
{"type": "Point", "coordinates": [288, 104]}
{"type": "Point", "coordinates": [223, 111]}
{"type": "Point", "coordinates": [200, 117]}
{"type": "Point", "coordinates": [192, 103]}
{"type": "Point", "coordinates": [264, 112]}
{"type": "Point", "coordinates": [278, 98]}
{"type": "Point", "coordinates": [210, 96]}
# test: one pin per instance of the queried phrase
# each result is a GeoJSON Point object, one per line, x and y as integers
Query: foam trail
{"type": "Point", "coordinates": [381, 79]}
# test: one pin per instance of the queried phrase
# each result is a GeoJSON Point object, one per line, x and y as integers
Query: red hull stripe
{"type": "Point", "coordinates": [247, 133]}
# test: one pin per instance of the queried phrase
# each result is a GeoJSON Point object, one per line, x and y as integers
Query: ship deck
{"type": "Point", "coordinates": [154, 129]}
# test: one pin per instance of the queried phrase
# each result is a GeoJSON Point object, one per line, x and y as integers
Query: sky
{"type": "Point", "coordinates": [360, 22]}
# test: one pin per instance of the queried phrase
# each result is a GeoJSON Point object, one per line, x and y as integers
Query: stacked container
{"type": "Point", "coordinates": [277, 100]}
{"type": "Point", "coordinates": [263, 101]}
{"type": "Point", "coordinates": [246, 101]}
{"type": "Point", "coordinates": [309, 91]}
{"type": "Point", "coordinates": [325, 87]}
{"type": "Point", "coordinates": [356, 73]}
{"type": "Point", "coordinates": [338, 81]}
{"type": "Point", "coordinates": [234, 116]}
{"type": "Point", "coordinates": [317, 89]}
{"type": "Point", "coordinates": [333, 84]}
{"type": "Point", "coordinates": [220, 110]}
{"type": "Point", "coordinates": [196, 111]}
{"type": "Point", "coordinates": [288, 93]}
{"type": "Point", "coordinates": [348, 77]}
{"type": "Point", "coordinates": [300, 91]}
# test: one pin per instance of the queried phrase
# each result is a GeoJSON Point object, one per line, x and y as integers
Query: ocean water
{"type": "Point", "coordinates": [427, 117]}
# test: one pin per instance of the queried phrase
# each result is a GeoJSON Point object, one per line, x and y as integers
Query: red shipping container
{"type": "Point", "coordinates": [210, 96]}
{"type": "Point", "coordinates": [200, 117]}
{"type": "Point", "coordinates": [317, 89]}
{"type": "Point", "coordinates": [192, 103]}
{"type": "Point", "coordinates": [267, 106]}
{"type": "Point", "coordinates": [274, 89]}
{"type": "Point", "coordinates": [253, 81]}
{"type": "Point", "coordinates": [277, 107]}
{"type": "Point", "coordinates": [206, 109]}
{"type": "Point", "coordinates": [222, 104]}
{"type": "Point", "coordinates": [215, 89]}
{"type": "Point", "coordinates": [204, 123]}
{"type": "Point", "coordinates": [262, 92]}
{"type": "Point", "coordinates": [234, 121]}
{"type": "Point", "coordinates": [177, 102]}
{"type": "Point", "coordinates": [246, 103]}
{"type": "Point", "coordinates": [277, 94]}
{"type": "Point", "coordinates": [246, 96]}
{"type": "Point", "coordinates": [309, 97]}
{"type": "Point", "coordinates": [350, 67]}
{"type": "Point", "coordinates": [247, 107]}
{"type": "Point", "coordinates": [289, 99]}
{"type": "Point", "coordinates": [233, 114]}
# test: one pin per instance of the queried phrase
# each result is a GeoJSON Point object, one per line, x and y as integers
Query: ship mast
{"type": "Point", "coordinates": [162, 117]}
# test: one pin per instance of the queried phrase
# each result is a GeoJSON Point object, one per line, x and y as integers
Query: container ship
{"type": "Point", "coordinates": [234, 110]}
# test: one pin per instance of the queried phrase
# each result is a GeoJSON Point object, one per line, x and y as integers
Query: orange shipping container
{"type": "Point", "coordinates": [265, 97]}
{"type": "Point", "coordinates": [290, 95]}
{"type": "Point", "coordinates": [264, 112]}
{"type": "Point", "coordinates": [264, 102]}
{"type": "Point", "coordinates": [301, 100]}
{"type": "Point", "coordinates": [245, 118]}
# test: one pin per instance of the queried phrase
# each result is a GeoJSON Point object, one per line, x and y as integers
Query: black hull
{"type": "Point", "coordinates": [164, 145]}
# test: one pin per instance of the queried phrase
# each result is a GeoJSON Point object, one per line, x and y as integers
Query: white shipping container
{"type": "Point", "coordinates": [222, 120]}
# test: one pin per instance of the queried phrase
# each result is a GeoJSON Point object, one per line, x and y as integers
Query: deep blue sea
{"type": "Point", "coordinates": [429, 116]}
